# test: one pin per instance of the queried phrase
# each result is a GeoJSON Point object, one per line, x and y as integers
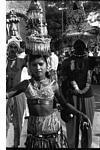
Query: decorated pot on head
{"type": "Point", "coordinates": [38, 45]}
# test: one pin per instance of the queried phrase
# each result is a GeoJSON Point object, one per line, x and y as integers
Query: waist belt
{"type": "Point", "coordinates": [44, 135]}
{"type": "Point", "coordinates": [40, 101]}
{"type": "Point", "coordinates": [42, 140]}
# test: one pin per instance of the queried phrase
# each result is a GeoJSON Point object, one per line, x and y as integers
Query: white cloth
{"type": "Point", "coordinates": [98, 53]}
{"type": "Point", "coordinates": [90, 53]}
{"type": "Point", "coordinates": [24, 74]}
{"type": "Point", "coordinates": [53, 60]}
{"type": "Point", "coordinates": [22, 55]}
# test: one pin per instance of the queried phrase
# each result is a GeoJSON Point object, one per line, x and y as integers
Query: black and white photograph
{"type": "Point", "coordinates": [52, 74]}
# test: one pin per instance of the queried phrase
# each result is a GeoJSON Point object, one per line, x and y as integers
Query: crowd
{"type": "Point", "coordinates": [54, 91]}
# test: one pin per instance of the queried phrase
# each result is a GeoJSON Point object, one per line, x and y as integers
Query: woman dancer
{"type": "Point", "coordinates": [44, 126]}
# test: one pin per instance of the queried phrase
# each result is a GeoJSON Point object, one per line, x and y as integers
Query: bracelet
{"type": "Point", "coordinates": [87, 85]}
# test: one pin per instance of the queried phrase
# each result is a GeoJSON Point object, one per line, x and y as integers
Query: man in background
{"type": "Point", "coordinates": [53, 61]}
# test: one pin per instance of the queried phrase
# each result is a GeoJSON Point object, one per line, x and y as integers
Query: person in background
{"type": "Point", "coordinates": [90, 53]}
{"type": "Point", "coordinates": [96, 50]}
{"type": "Point", "coordinates": [94, 76]}
{"type": "Point", "coordinates": [53, 61]}
{"type": "Point", "coordinates": [76, 87]}
{"type": "Point", "coordinates": [44, 124]}
{"type": "Point", "coordinates": [15, 106]}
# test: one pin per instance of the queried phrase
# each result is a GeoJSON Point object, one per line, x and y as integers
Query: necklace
{"type": "Point", "coordinates": [88, 83]}
{"type": "Point", "coordinates": [83, 55]}
{"type": "Point", "coordinates": [40, 83]}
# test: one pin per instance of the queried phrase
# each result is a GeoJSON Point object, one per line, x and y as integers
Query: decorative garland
{"type": "Point", "coordinates": [83, 55]}
{"type": "Point", "coordinates": [88, 83]}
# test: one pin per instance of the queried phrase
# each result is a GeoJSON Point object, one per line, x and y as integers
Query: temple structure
{"type": "Point", "coordinates": [76, 25]}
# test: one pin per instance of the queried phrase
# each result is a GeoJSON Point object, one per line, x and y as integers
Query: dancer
{"type": "Point", "coordinates": [44, 127]}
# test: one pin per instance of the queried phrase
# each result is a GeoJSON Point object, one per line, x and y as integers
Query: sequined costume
{"type": "Point", "coordinates": [44, 127]}
{"type": "Point", "coordinates": [43, 131]}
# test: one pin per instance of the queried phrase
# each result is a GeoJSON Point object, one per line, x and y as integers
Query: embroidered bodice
{"type": "Point", "coordinates": [44, 93]}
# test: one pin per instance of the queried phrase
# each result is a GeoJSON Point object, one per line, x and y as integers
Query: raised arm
{"type": "Point", "coordinates": [21, 87]}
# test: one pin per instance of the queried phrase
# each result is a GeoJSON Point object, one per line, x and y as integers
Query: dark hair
{"type": "Point", "coordinates": [33, 57]}
{"type": "Point", "coordinates": [79, 47]}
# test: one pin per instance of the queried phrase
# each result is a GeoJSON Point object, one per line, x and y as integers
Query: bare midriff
{"type": "Point", "coordinates": [40, 109]}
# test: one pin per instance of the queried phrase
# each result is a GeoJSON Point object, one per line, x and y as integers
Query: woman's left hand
{"type": "Point", "coordinates": [85, 120]}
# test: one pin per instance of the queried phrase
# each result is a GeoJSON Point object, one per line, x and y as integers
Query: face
{"type": "Point", "coordinates": [12, 50]}
{"type": "Point", "coordinates": [38, 67]}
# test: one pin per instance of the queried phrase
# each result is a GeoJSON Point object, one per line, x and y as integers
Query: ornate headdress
{"type": "Point", "coordinates": [14, 38]}
{"type": "Point", "coordinates": [38, 41]}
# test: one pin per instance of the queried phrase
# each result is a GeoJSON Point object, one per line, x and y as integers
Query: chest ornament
{"type": "Point", "coordinates": [43, 93]}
